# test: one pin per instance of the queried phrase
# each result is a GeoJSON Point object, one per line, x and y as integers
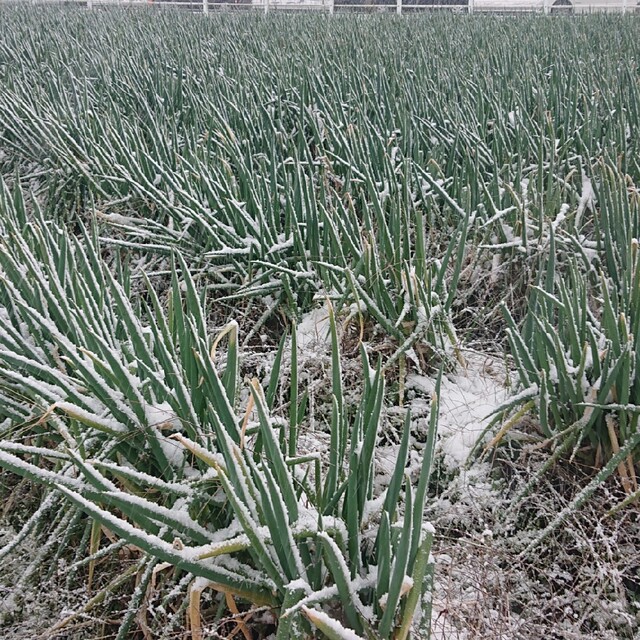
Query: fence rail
{"type": "Point", "coordinates": [344, 6]}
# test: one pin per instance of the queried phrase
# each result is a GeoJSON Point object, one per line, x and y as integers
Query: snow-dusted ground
{"type": "Point", "coordinates": [482, 590]}
{"type": "Point", "coordinates": [468, 399]}
{"type": "Point", "coordinates": [312, 333]}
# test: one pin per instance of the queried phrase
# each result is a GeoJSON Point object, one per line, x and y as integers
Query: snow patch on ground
{"type": "Point", "coordinates": [468, 399]}
{"type": "Point", "coordinates": [312, 332]}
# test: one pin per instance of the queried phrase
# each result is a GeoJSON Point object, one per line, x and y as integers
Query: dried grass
{"type": "Point", "coordinates": [582, 582]}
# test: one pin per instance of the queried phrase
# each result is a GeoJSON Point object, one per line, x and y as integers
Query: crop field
{"type": "Point", "coordinates": [319, 326]}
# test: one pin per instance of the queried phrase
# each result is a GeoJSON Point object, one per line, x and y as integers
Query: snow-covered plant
{"type": "Point", "coordinates": [288, 180]}
{"type": "Point", "coordinates": [243, 168]}
{"type": "Point", "coordinates": [577, 354]}
{"type": "Point", "coordinates": [579, 365]}
{"type": "Point", "coordinates": [129, 414]}
{"type": "Point", "coordinates": [390, 275]}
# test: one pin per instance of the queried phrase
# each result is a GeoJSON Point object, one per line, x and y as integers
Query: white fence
{"type": "Point", "coordinates": [395, 6]}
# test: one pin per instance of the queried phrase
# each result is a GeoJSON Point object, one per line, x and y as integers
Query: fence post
{"type": "Point", "coordinates": [89, 4]}
{"type": "Point", "coordinates": [399, 7]}
{"type": "Point", "coordinates": [470, 9]}
{"type": "Point", "coordinates": [624, 6]}
{"type": "Point", "coordinates": [331, 7]}
{"type": "Point", "coordinates": [266, 6]}
{"type": "Point", "coordinates": [205, 6]}
{"type": "Point", "coordinates": [545, 7]}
